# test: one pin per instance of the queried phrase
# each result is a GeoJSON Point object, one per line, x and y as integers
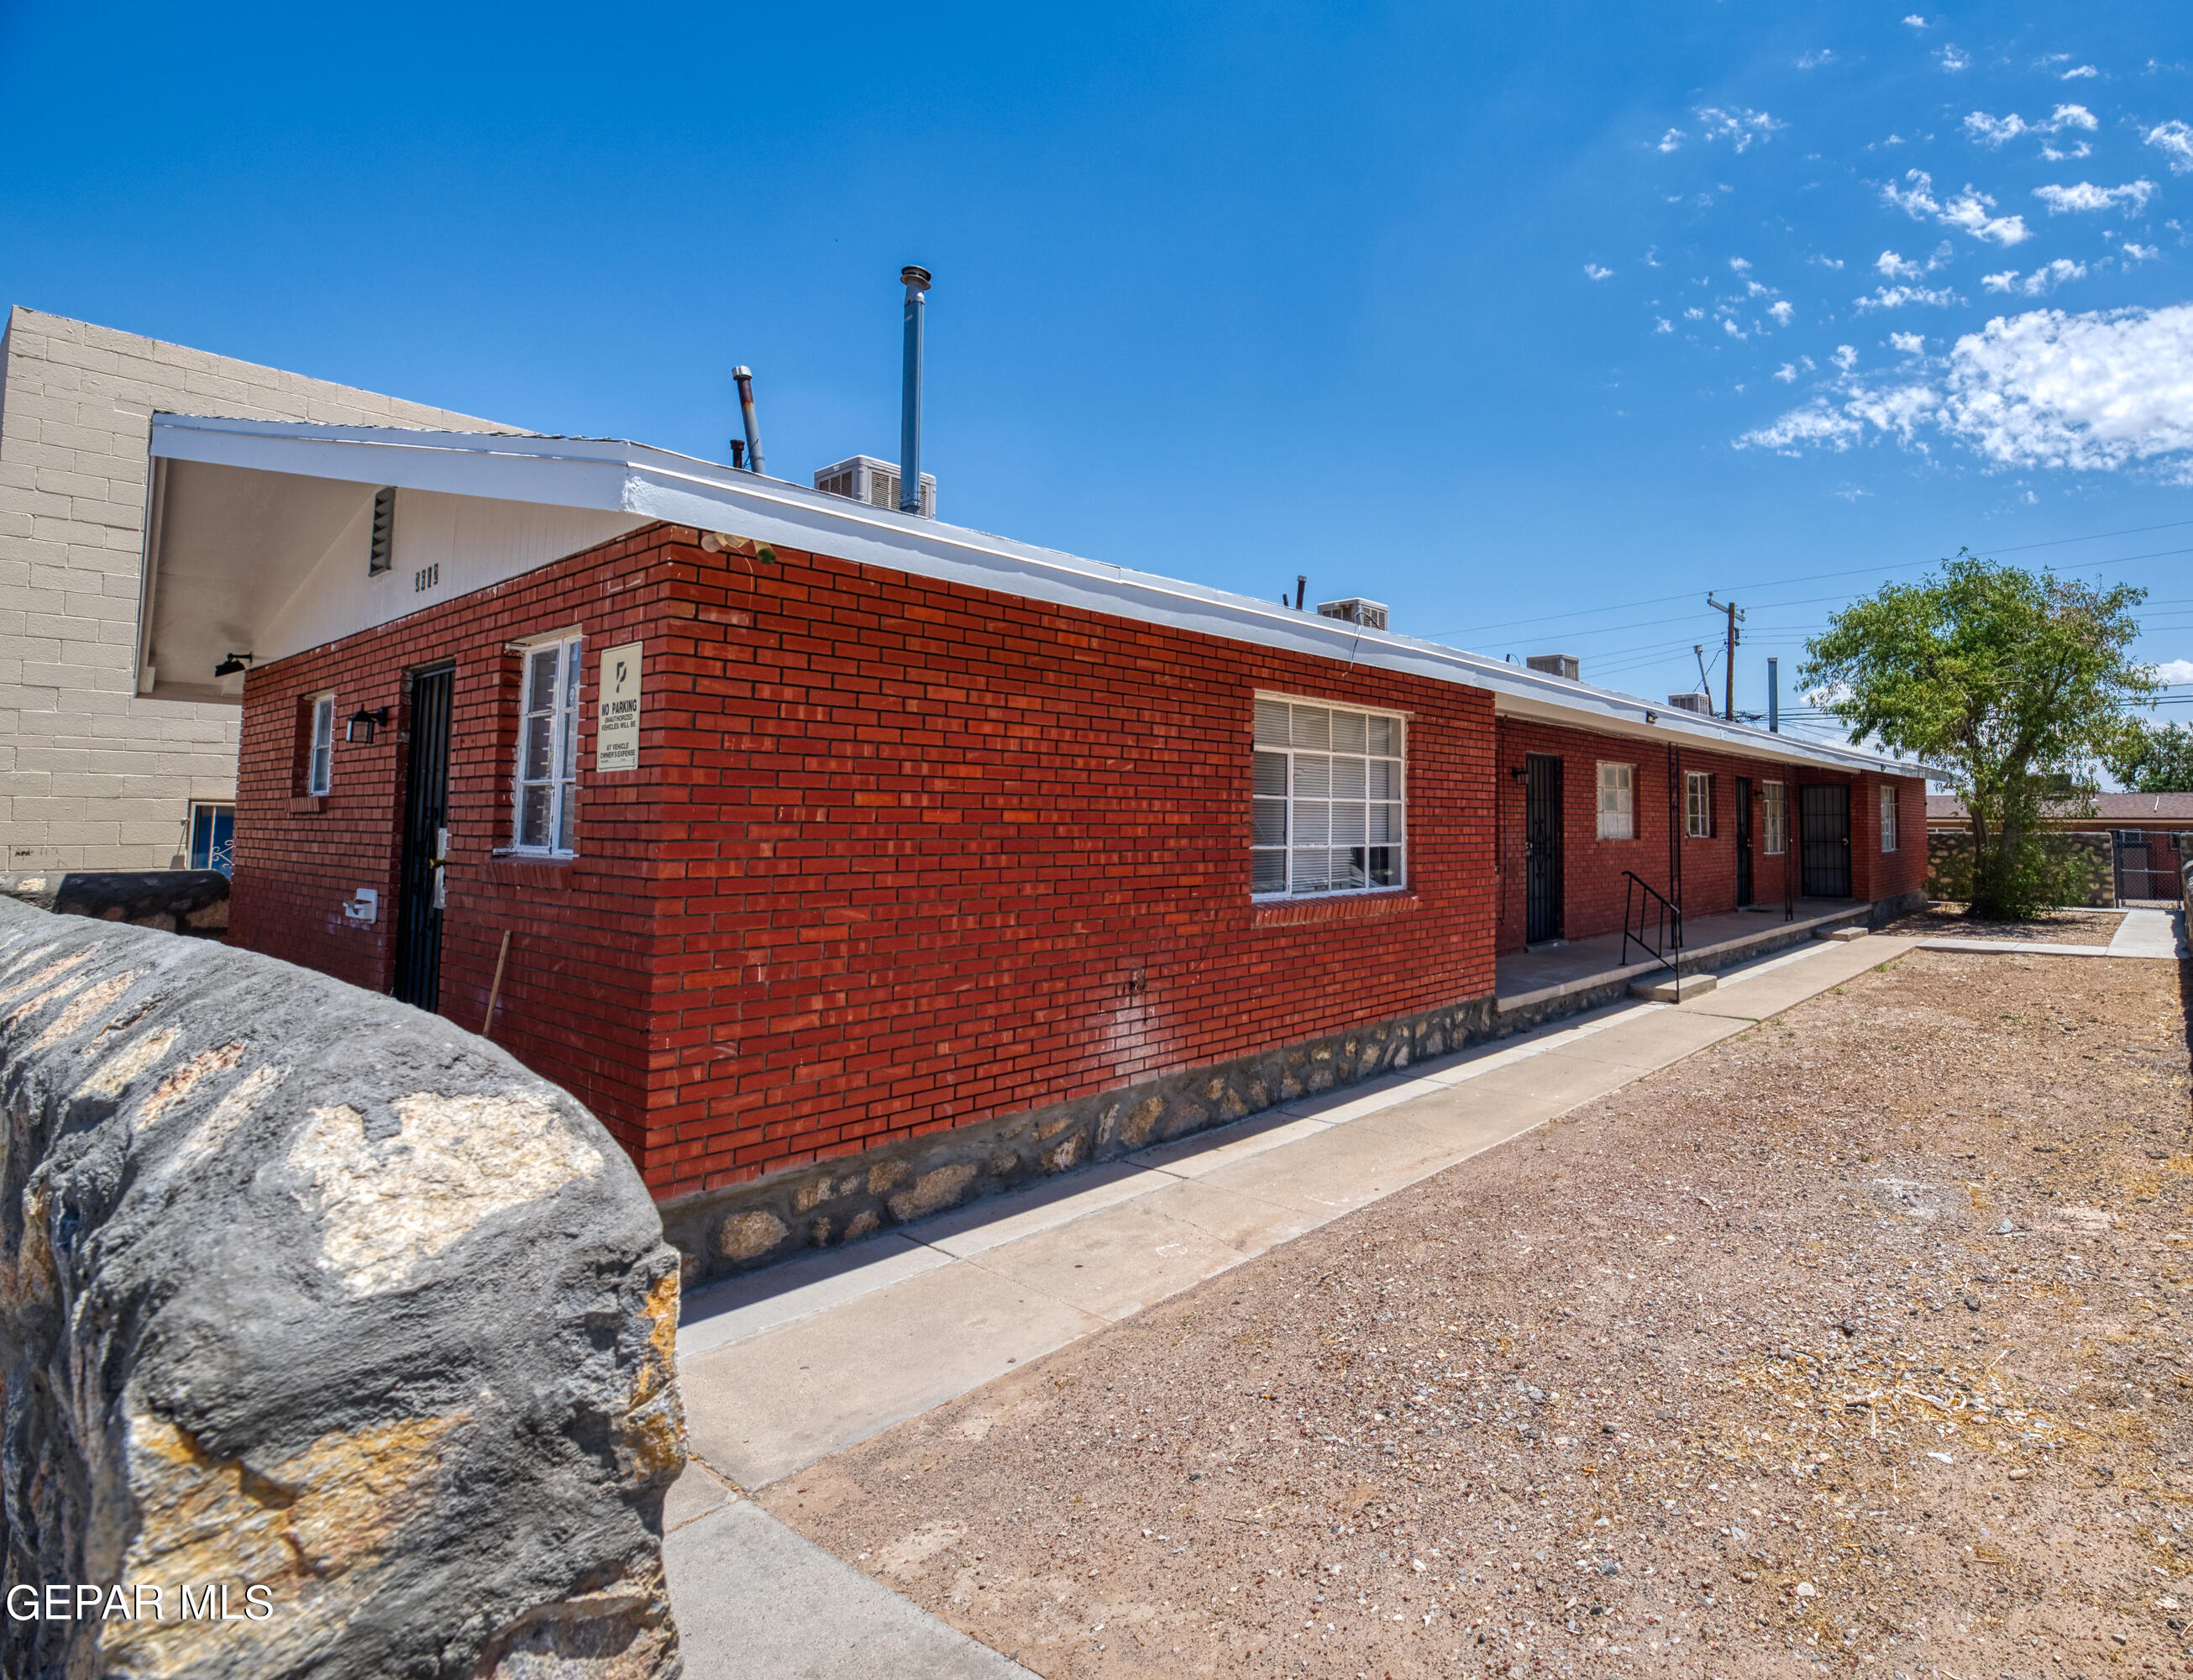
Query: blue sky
{"type": "Point", "coordinates": [1537, 322]}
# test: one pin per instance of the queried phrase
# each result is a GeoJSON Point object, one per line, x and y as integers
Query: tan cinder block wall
{"type": "Point", "coordinates": [91, 776]}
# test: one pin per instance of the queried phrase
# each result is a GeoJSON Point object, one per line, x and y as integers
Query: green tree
{"type": "Point", "coordinates": [2008, 685]}
{"type": "Point", "coordinates": [2154, 758]}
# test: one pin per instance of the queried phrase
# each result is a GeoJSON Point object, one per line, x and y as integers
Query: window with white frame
{"type": "Point", "coordinates": [1775, 830]}
{"type": "Point", "coordinates": [1617, 801]}
{"type": "Point", "coordinates": [1698, 804]}
{"type": "Point", "coordinates": [547, 814]}
{"type": "Point", "coordinates": [320, 760]}
{"type": "Point", "coordinates": [1327, 800]}
{"type": "Point", "coordinates": [1888, 819]}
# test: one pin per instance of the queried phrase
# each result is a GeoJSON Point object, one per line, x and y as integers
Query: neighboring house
{"type": "Point", "coordinates": [782, 829]}
{"type": "Point", "coordinates": [96, 772]}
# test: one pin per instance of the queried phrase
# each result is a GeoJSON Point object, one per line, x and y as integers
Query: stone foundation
{"type": "Point", "coordinates": [174, 901]}
{"type": "Point", "coordinates": [758, 1223]}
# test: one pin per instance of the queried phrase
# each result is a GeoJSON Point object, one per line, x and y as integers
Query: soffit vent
{"type": "Point", "coordinates": [863, 477]}
{"type": "Point", "coordinates": [1370, 614]}
{"type": "Point", "coordinates": [382, 554]}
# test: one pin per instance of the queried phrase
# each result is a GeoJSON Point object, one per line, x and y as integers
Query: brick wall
{"type": "Point", "coordinates": [1593, 886]}
{"type": "Point", "coordinates": [93, 777]}
{"type": "Point", "coordinates": [901, 855]}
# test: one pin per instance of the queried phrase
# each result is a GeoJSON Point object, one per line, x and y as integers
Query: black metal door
{"type": "Point", "coordinates": [425, 840]}
{"type": "Point", "coordinates": [1742, 840]}
{"type": "Point", "coordinates": [1823, 822]}
{"type": "Point", "coordinates": [1542, 848]}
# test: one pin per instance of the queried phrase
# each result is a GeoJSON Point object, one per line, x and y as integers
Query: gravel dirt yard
{"type": "Point", "coordinates": [1853, 1344]}
{"type": "Point", "coordinates": [2050, 928]}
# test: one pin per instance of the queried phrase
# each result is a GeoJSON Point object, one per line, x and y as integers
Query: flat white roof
{"type": "Point", "coordinates": [220, 579]}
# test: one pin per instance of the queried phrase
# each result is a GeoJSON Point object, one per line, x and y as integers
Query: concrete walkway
{"type": "Point", "coordinates": [2142, 933]}
{"type": "Point", "coordinates": [787, 1366]}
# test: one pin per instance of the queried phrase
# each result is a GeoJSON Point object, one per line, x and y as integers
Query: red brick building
{"type": "Point", "coordinates": [783, 829]}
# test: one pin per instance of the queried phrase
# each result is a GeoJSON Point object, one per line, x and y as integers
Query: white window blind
{"type": "Point", "coordinates": [1698, 805]}
{"type": "Point", "coordinates": [1775, 837]}
{"type": "Point", "coordinates": [1328, 800]}
{"type": "Point", "coordinates": [1888, 819]}
{"type": "Point", "coordinates": [320, 769]}
{"type": "Point", "coordinates": [1617, 801]}
{"type": "Point", "coordinates": [546, 817]}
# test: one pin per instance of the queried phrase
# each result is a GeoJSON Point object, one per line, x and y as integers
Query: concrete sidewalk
{"type": "Point", "coordinates": [2145, 934]}
{"type": "Point", "coordinates": [787, 1366]}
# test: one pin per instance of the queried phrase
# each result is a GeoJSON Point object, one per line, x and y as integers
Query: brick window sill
{"type": "Point", "coordinates": [1352, 906]}
{"type": "Point", "coordinates": [510, 871]}
{"type": "Point", "coordinates": [308, 804]}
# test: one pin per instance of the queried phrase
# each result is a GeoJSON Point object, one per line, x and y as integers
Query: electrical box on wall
{"type": "Point", "coordinates": [363, 908]}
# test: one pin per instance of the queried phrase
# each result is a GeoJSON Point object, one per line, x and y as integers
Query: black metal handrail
{"type": "Point", "coordinates": [1666, 946]}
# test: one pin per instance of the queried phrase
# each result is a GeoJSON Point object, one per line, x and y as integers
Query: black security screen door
{"type": "Point", "coordinates": [1824, 810]}
{"type": "Point", "coordinates": [426, 838]}
{"type": "Point", "coordinates": [1542, 848]}
{"type": "Point", "coordinates": [1742, 840]}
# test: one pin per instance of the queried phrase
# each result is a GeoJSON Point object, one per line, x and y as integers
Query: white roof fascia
{"type": "Point", "coordinates": [614, 475]}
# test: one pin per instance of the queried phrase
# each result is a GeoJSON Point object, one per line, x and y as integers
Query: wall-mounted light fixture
{"type": "Point", "coordinates": [362, 724]}
{"type": "Point", "coordinates": [1520, 771]}
{"type": "Point", "coordinates": [230, 666]}
{"type": "Point", "coordinates": [1651, 717]}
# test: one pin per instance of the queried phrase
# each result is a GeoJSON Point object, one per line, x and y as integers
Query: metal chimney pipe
{"type": "Point", "coordinates": [1773, 696]}
{"type": "Point", "coordinates": [916, 280]}
{"type": "Point", "coordinates": [745, 377]}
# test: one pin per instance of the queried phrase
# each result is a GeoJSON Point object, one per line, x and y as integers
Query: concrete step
{"type": "Point", "coordinates": [1840, 936]}
{"type": "Point", "coordinates": [1675, 989]}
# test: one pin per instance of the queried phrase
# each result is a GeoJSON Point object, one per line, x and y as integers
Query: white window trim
{"type": "Point", "coordinates": [320, 755]}
{"type": "Point", "coordinates": [562, 749]}
{"type": "Point", "coordinates": [1888, 820]}
{"type": "Point", "coordinates": [1697, 825]}
{"type": "Point", "coordinates": [1774, 813]}
{"type": "Point", "coordinates": [1399, 759]}
{"type": "Point", "coordinates": [1626, 785]}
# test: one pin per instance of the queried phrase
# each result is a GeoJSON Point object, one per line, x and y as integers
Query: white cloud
{"type": "Point", "coordinates": [2071, 117]}
{"type": "Point", "coordinates": [2067, 154]}
{"type": "Point", "coordinates": [1738, 126]}
{"type": "Point", "coordinates": [1787, 373]}
{"type": "Point", "coordinates": [2174, 672]}
{"type": "Point", "coordinates": [1826, 261]}
{"type": "Point", "coordinates": [1670, 141]}
{"type": "Point", "coordinates": [2093, 392]}
{"type": "Point", "coordinates": [1994, 130]}
{"type": "Point", "coordinates": [1782, 313]}
{"type": "Point", "coordinates": [1909, 343]}
{"type": "Point", "coordinates": [1740, 266]}
{"type": "Point", "coordinates": [2133, 196]}
{"type": "Point", "coordinates": [1813, 60]}
{"type": "Point", "coordinates": [1895, 297]}
{"type": "Point", "coordinates": [1731, 328]}
{"type": "Point", "coordinates": [2079, 70]}
{"type": "Point", "coordinates": [1694, 313]}
{"type": "Point", "coordinates": [1954, 58]}
{"type": "Point", "coordinates": [1895, 267]}
{"type": "Point", "coordinates": [2174, 140]}
{"type": "Point", "coordinates": [1914, 20]}
{"type": "Point", "coordinates": [1595, 272]}
{"type": "Point", "coordinates": [1661, 324]}
{"type": "Point", "coordinates": [2137, 253]}
{"type": "Point", "coordinates": [2042, 281]}
{"type": "Point", "coordinates": [1846, 356]}
{"type": "Point", "coordinates": [1969, 210]}
{"type": "Point", "coordinates": [1916, 201]}
{"type": "Point", "coordinates": [1816, 424]}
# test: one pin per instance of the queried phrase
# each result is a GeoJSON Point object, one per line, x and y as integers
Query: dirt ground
{"type": "Point", "coordinates": [1853, 1344]}
{"type": "Point", "coordinates": [2050, 928]}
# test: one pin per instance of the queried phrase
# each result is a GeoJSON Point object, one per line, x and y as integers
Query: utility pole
{"type": "Point", "coordinates": [1728, 674]}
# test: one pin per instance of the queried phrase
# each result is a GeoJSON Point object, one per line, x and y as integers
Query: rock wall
{"type": "Point", "coordinates": [174, 901]}
{"type": "Point", "coordinates": [1950, 865]}
{"type": "Point", "coordinates": [322, 1311]}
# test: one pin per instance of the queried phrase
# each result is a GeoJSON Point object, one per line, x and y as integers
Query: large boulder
{"type": "Point", "coordinates": [326, 1312]}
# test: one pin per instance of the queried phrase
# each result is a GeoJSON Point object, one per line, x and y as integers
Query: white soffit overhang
{"type": "Point", "coordinates": [648, 484]}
